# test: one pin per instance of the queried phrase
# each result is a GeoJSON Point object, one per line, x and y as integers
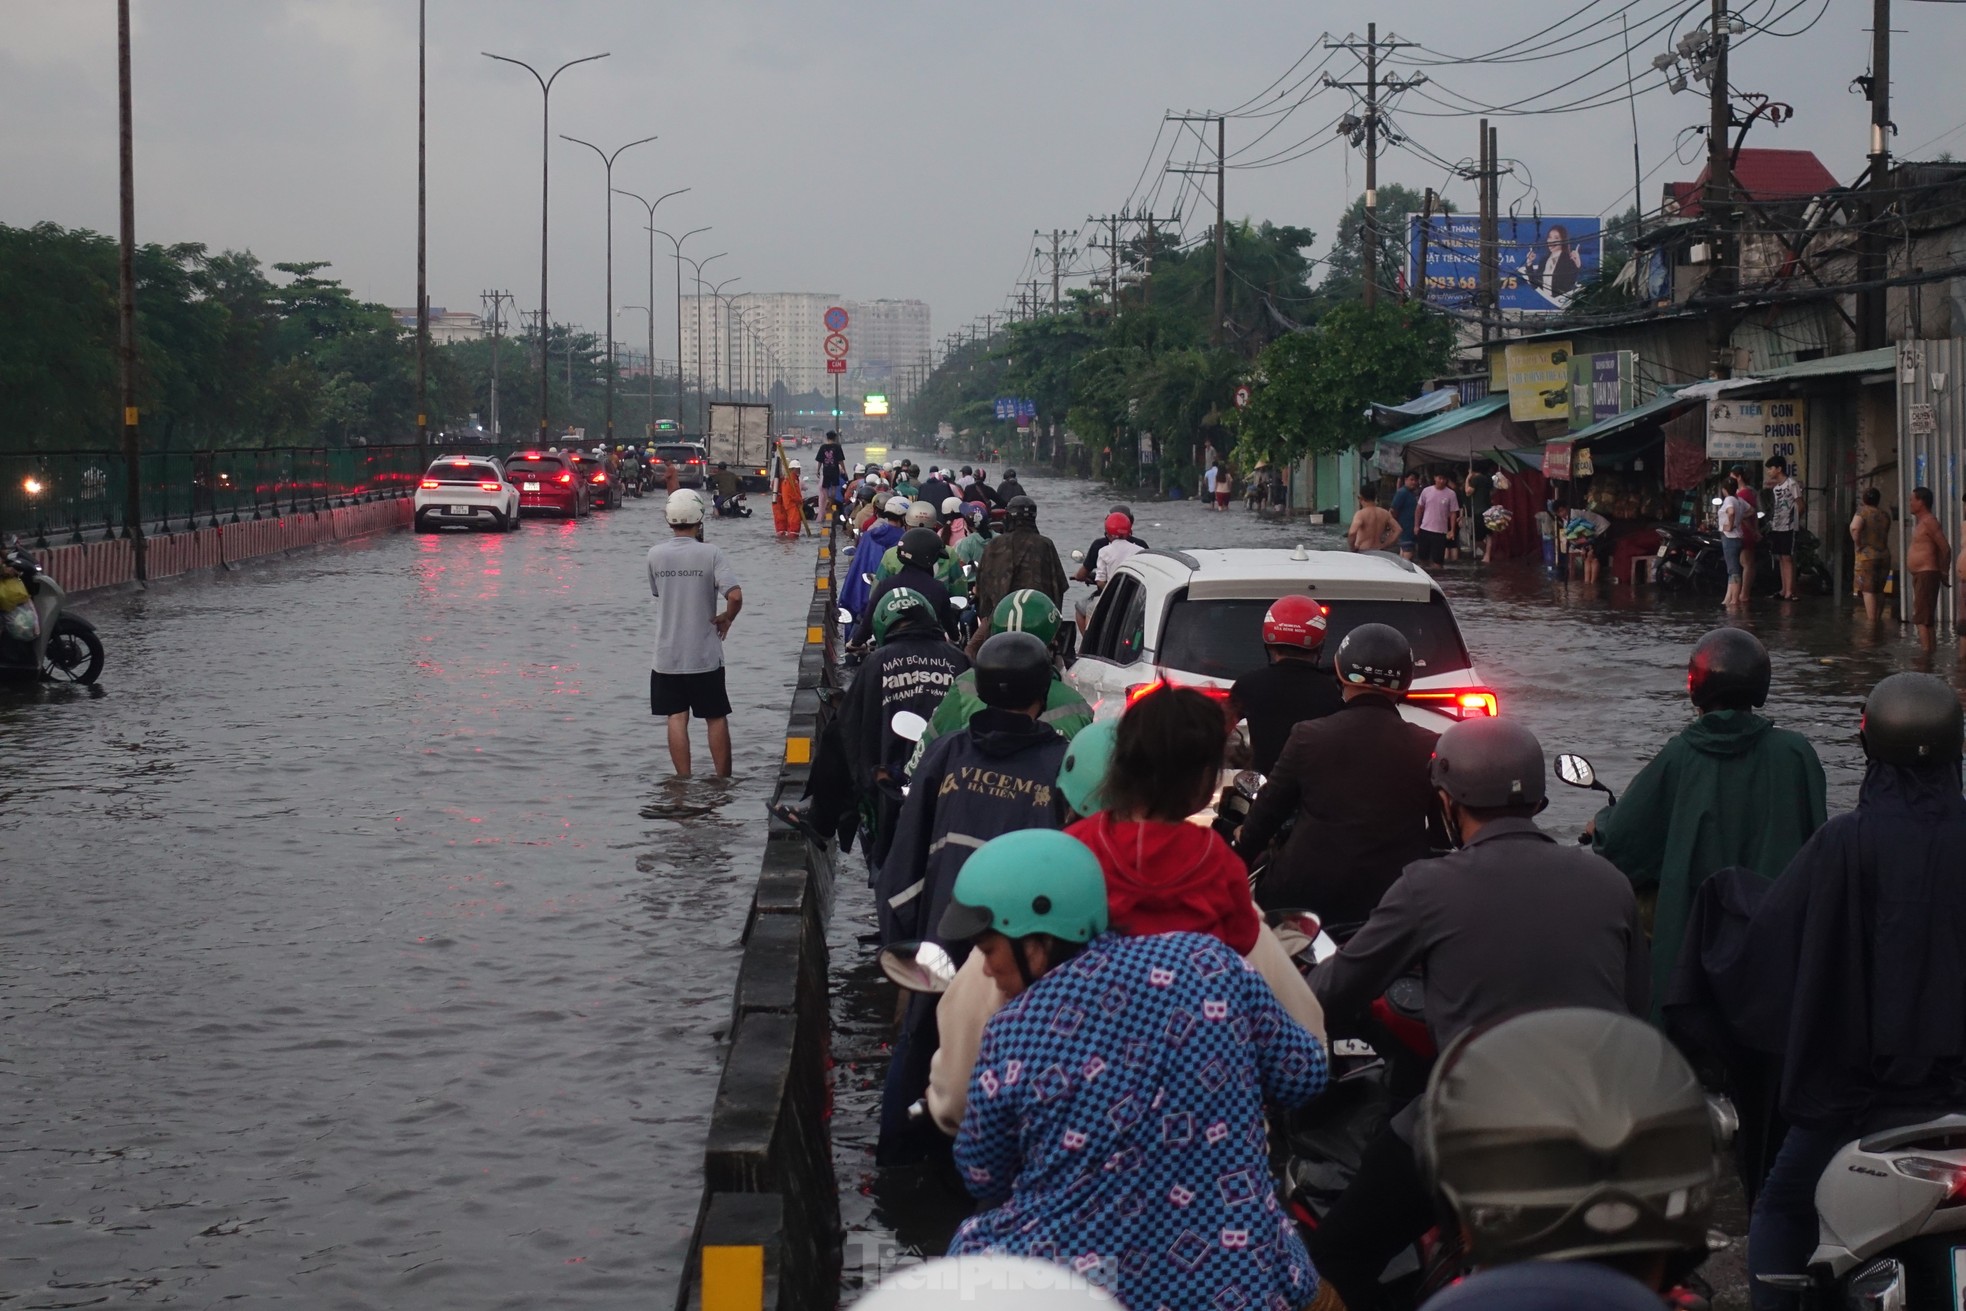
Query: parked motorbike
{"type": "Point", "coordinates": [64, 647]}
{"type": "Point", "coordinates": [1690, 558]}
{"type": "Point", "coordinates": [732, 507]}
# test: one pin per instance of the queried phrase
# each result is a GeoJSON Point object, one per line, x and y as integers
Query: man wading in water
{"type": "Point", "coordinates": [686, 672]}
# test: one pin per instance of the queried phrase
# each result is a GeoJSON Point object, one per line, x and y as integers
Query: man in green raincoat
{"type": "Point", "coordinates": [1731, 789]}
{"type": "Point", "coordinates": [1024, 611]}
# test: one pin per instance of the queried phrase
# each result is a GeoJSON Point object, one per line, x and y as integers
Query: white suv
{"type": "Point", "coordinates": [470, 491]}
{"type": "Point", "coordinates": [1195, 618]}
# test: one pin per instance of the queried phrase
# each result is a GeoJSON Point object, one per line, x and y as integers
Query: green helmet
{"type": "Point", "coordinates": [1026, 611]}
{"type": "Point", "coordinates": [897, 609]}
{"type": "Point", "coordinates": [1086, 761]}
{"type": "Point", "coordinates": [1035, 880]}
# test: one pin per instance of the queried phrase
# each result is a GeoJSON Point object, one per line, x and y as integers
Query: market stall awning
{"type": "Point", "coordinates": [1651, 411]}
{"type": "Point", "coordinates": [1420, 407]}
{"type": "Point", "coordinates": [1880, 362]}
{"type": "Point", "coordinates": [1447, 421]}
{"type": "Point", "coordinates": [1442, 437]}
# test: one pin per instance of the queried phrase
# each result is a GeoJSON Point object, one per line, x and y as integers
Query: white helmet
{"type": "Point", "coordinates": [987, 1282]}
{"type": "Point", "coordinates": [685, 508]}
{"type": "Point", "coordinates": [896, 506]}
{"type": "Point", "coordinates": [922, 515]}
{"type": "Point", "coordinates": [792, 465]}
{"type": "Point", "coordinates": [859, 469]}
{"type": "Point", "coordinates": [954, 505]}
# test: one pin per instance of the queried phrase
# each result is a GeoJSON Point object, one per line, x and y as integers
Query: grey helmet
{"type": "Point", "coordinates": [1571, 1134]}
{"type": "Point", "coordinates": [1912, 719]}
{"type": "Point", "coordinates": [1488, 763]}
{"type": "Point", "coordinates": [1021, 510]}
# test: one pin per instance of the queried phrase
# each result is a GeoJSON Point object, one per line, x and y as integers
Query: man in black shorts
{"type": "Point", "coordinates": [686, 672]}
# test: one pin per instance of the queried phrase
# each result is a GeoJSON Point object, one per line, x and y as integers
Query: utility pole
{"type": "Point", "coordinates": [1718, 202]}
{"type": "Point", "coordinates": [126, 299]}
{"type": "Point", "coordinates": [1872, 327]}
{"type": "Point", "coordinates": [1426, 233]}
{"type": "Point", "coordinates": [1057, 261]}
{"type": "Point", "coordinates": [1486, 175]}
{"type": "Point", "coordinates": [497, 322]}
{"type": "Point", "coordinates": [422, 252]}
{"type": "Point", "coordinates": [1221, 216]}
{"type": "Point", "coordinates": [1367, 131]}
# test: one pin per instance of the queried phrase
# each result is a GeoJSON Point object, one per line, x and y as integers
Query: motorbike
{"type": "Point", "coordinates": [634, 476]}
{"type": "Point", "coordinates": [64, 647]}
{"type": "Point", "coordinates": [732, 507]}
{"type": "Point", "coordinates": [965, 619]}
{"type": "Point", "coordinates": [1690, 558]}
{"type": "Point", "coordinates": [1892, 1211]}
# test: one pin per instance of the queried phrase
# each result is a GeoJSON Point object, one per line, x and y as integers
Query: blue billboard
{"type": "Point", "coordinates": [1540, 262]}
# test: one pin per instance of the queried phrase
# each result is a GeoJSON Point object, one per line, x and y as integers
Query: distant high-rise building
{"type": "Point", "coordinates": [889, 337]}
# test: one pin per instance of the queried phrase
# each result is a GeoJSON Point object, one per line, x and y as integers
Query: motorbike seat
{"type": "Point", "coordinates": [1945, 1133]}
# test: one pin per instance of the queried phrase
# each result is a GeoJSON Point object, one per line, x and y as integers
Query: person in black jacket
{"type": "Point", "coordinates": [1292, 688]}
{"type": "Point", "coordinates": [1010, 487]}
{"type": "Point", "coordinates": [918, 550]}
{"type": "Point", "coordinates": [1356, 783]}
{"type": "Point", "coordinates": [997, 776]}
{"type": "Point", "coordinates": [935, 489]}
{"type": "Point", "coordinates": [860, 762]}
{"type": "Point", "coordinates": [1850, 971]}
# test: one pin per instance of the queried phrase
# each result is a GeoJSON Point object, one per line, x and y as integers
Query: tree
{"type": "Point", "coordinates": [1315, 386]}
{"type": "Point", "coordinates": [1344, 278]}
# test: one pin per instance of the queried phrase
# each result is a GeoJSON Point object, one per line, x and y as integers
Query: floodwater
{"type": "Point", "coordinates": [1600, 671]}
{"type": "Point", "coordinates": [357, 946]}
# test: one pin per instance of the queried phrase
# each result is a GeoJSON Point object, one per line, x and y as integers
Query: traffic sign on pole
{"type": "Point", "coordinates": [836, 346]}
{"type": "Point", "coordinates": [836, 366]}
{"type": "Point", "coordinates": [836, 319]}
{"type": "Point", "coordinates": [1242, 398]}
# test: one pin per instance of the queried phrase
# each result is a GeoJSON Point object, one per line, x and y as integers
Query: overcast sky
{"type": "Point", "coordinates": [872, 148]}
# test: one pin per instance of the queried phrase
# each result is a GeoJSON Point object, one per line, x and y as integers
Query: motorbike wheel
{"type": "Point", "coordinates": [73, 653]}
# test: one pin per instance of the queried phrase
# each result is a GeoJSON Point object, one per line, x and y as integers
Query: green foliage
{"type": "Point", "coordinates": [1316, 385]}
{"type": "Point", "coordinates": [1344, 278]}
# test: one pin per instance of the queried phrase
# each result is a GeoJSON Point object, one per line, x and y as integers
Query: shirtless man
{"type": "Point", "coordinates": [1926, 560]}
{"type": "Point", "coordinates": [1373, 529]}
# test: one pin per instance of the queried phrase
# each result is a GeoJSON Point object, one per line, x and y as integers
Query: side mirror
{"type": "Point", "coordinates": [959, 602]}
{"type": "Point", "coordinates": [1576, 771]}
{"type": "Point", "coordinates": [1248, 782]}
{"type": "Point", "coordinates": [1078, 555]}
{"type": "Point", "coordinates": [907, 724]}
{"type": "Point", "coordinates": [845, 616]}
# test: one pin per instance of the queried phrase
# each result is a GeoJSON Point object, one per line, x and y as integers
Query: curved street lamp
{"type": "Point", "coordinates": [607, 199]}
{"type": "Point", "coordinates": [545, 144]}
{"type": "Point", "coordinates": [679, 348]}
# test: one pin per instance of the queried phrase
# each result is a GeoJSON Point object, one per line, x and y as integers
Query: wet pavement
{"type": "Point", "coordinates": [1598, 670]}
{"type": "Point", "coordinates": [358, 948]}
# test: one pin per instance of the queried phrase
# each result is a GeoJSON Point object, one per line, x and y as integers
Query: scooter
{"type": "Point", "coordinates": [965, 619]}
{"type": "Point", "coordinates": [64, 647]}
{"type": "Point", "coordinates": [1892, 1211]}
{"type": "Point", "coordinates": [732, 507]}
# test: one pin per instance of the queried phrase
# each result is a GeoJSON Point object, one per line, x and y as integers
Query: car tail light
{"type": "Point", "coordinates": [600, 475]}
{"type": "Point", "coordinates": [430, 484]}
{"type": "Point", "coordinates": [490, 487]}
{"type": "Point", "coordinates": [566, 477]}
{"type": "Point", "coordinates": [1139, 690]}
{"type": "Point", "coordinates": [694, 460]}
{"type": "Point", "coordinates": [1460, 702]}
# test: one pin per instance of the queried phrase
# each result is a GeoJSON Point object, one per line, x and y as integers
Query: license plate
{"type": "Point", "coordinates": [460, 509]}
{"type": "Point", "coordinates": [528, 487]}
{"type": "Point", "coordinates": [1959, 1277]}
{"type": "Point", "coordinates": [1664, 550]}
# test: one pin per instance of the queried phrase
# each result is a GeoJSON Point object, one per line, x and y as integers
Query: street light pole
{"type": "Point", "coordinates": [698, 264]}
{"type": "Point", "coordinates": [126, 300]}
{"type": "Point", "coordinates": [607, 198]}
{"type": "Point", "coordinates": [650, 228]}
{"type": "Point", "coordinates": [722, 363]}
{"type": "Point", "coordinates": [678, 242]}
{"type": "Point", "coordinates": [545, 154]}
{"type": "Point", "coordinates": [422, 261]}
{"type": "Point", "coordinates": [650, 426]}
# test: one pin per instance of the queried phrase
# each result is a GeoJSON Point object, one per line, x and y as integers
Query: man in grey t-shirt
{"type": "Point", "coordinates": [686, 671]}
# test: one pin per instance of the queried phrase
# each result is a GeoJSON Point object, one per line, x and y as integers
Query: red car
{"type": "Point", "coordinates": [548, 481]}
{"type": "Point", "coordinates": [598, 472]}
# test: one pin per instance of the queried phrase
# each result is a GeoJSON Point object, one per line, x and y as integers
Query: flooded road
{"type": "Point", "coordinates": [1597, 671]}
{"type": "Point", "coordinates": [357, 947]}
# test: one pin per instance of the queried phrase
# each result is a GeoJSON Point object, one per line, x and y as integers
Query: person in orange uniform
{"type": "Point", "coordinates": [788, 508]}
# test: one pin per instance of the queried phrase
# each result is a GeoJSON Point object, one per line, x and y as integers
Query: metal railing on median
{"type": "Point", "coordinates": [53, 498]}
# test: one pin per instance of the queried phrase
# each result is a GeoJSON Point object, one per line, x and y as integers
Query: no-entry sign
{"type": "Point", "coordinates": [836, 319]}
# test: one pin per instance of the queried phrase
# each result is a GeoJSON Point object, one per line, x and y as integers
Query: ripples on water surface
{"type": "Point", "coordinates": [358, 949]}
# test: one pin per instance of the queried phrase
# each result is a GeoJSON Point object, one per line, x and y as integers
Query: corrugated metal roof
{"type": "Point", "coordinates": [1763, 176]}
{"type": "Point", "coordinates": [1629, 419]}
{"type": "Point", "coordinates": [1454, 418]}
{"type": "Point", "coordinates": [1882, 360]}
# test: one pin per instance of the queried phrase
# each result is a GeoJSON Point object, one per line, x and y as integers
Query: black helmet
{"type": "Point", "coordinates": [967, 469]}
{"type": "Point", "coordinates": [1912, 719]}
{"type": "Point", "coordinates": [1487, 763]}
{"type": "Point", "coordinates": [1013, 671]}
{"type": "Point", "coordinates": [1375, 655]}
{"type": "Point", "coordinates": [1010, 473]}
{"type": "Point", "coordinates": [1120, 508]}
{"type": "Point", "coordinates": [920, 546]}
{"type": "Point", "coordinates": [1729, 670]}
{"type": "Point", "coordinates": [1570, 1134]}
{"type": "Point", "coordinates": [1021, 510]}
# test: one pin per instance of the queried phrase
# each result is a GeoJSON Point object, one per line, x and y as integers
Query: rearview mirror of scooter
{"type": "Point", "coordinates": [918, 966]}
{"type": "Point", "coordinates": [959, 602]}
{"type": "Point", "coordinates": [1078, 555]}
{"type": "Point", "coordinates": [845, 616]}
{"type": "Point", "coordinates": [1576, 771]}
{"type": "Point", "coordinates": [907, 724]}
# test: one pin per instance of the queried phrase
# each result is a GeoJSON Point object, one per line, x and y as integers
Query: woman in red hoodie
{"type": "Point", "coordinates": [1163, 874]}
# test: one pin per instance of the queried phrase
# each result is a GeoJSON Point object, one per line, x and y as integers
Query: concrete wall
{"type": "Point", "coordinates": [768, 1233]}
{"type": "Point", "coordinates": [80, 566]}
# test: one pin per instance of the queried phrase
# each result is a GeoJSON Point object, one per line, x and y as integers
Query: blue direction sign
{"type": "Point", "coordinates": [836, 319]}
{"type": "Point", "coordinates": [1016, 407]}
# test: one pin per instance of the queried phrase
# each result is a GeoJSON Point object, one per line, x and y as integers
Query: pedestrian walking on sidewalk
{"type": "Point", "coordinates": [686, 671]}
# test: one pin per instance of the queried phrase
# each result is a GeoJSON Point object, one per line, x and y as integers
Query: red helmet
{"type": "Point", "coordinates": [1295, 621]}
